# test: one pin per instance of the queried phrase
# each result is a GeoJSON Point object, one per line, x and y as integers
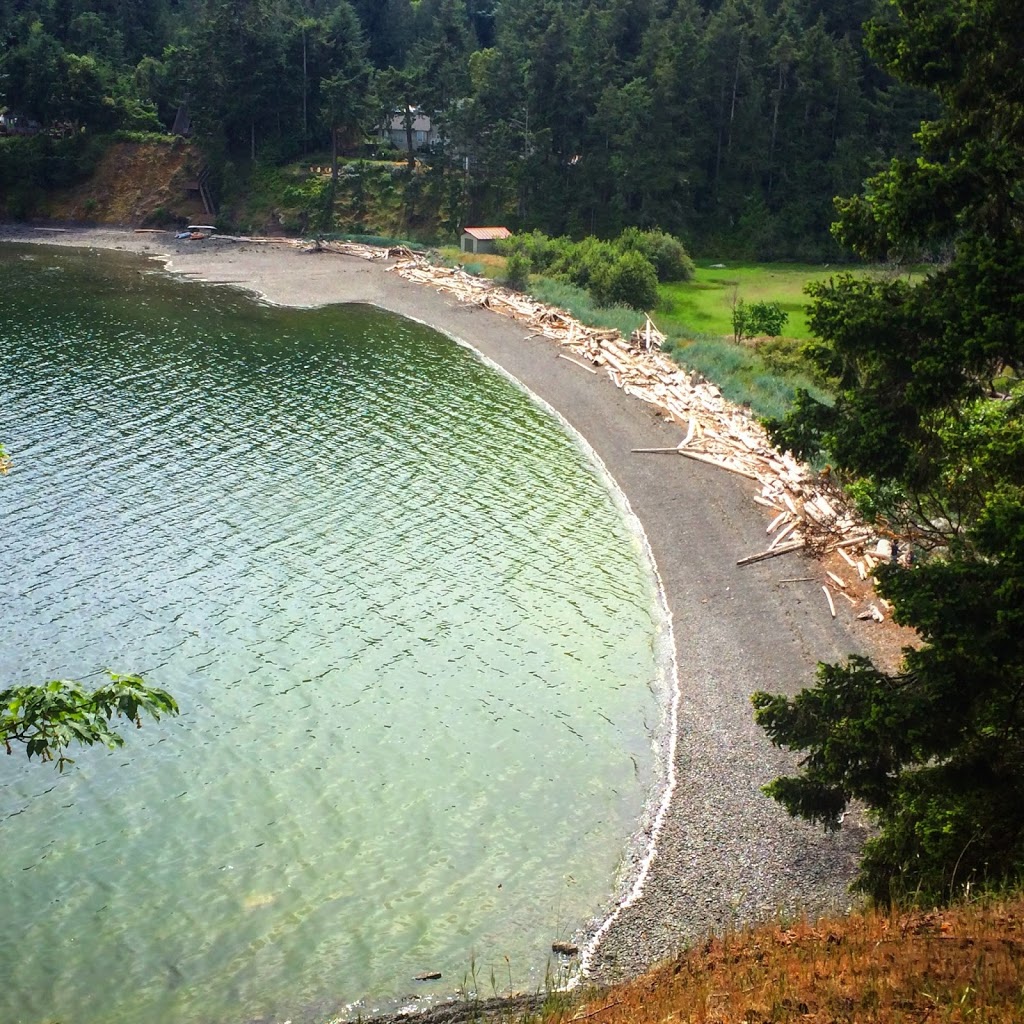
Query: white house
{"type": "Point", "coordinates": [423, 132]}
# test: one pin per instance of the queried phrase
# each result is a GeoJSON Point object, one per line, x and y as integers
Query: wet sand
{"type": "Point", "coordinates": [724, 854]}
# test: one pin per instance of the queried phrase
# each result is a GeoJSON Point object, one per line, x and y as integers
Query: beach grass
{"type": "Point", "coordinates": [577, 301]}
{"type": "Point", "coordinates": [745, 375]}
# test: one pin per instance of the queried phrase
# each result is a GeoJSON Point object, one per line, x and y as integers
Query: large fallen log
{"type": "Point", "coordinates": [783, 549]}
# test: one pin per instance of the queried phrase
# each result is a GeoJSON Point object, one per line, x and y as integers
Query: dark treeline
{"type": "Point", "coordinates": [731, 123]}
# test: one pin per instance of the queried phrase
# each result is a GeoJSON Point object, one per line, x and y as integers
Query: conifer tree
{"type": "Point", "coordinates": [928, 427]}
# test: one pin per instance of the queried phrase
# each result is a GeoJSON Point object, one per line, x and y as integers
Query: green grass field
{"type": "Point", "coordinates": [704, 305]}
{"type": "Point", "coordinates": [697, 318]}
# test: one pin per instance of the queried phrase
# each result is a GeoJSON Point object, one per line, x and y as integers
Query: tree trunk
{"type": "Point", "coordinates": [721, 133]}
{"type": "Point", "coordinates": [835, 113]}
{"type": "Point", "coordinates": [735, 89]}
{"type": "Point", "coordinates": [775, 129]}
{"type": "Point", "coordinates": [410, 151]}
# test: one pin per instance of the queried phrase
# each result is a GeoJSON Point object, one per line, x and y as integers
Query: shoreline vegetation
{"type": "Point", "coordinates": [724, 855]}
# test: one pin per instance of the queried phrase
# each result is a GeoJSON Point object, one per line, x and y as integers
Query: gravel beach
{"type": "Point", "coordinates": [725, 854]}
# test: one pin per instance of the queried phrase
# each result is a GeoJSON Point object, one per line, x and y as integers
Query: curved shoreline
{"type": "Point", "coordinates": [642, 848]}
{"type": "Point", "coordinates": [719, 852]}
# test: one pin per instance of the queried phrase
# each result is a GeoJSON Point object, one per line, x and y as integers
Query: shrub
{"type": "Point", "coordinates": [584, 263]}
{"type": "Point", "coordinates": [630, 281]}
{"type": "Point", "coordinates": [538, 248]}
{"type": "Point", "coordinates": [766, 318]}
{"type": "Point", "coordinates": [517, 271]}
{"type": "Point", "coordinates": [161, 217]}
{"type": "Point", "coordinates": [740, 320]}
{"type": "Point", "coordinates": [665, 252]}
{"type": "Point", "coordinates": [785, 357]}
{"type": "Point", "coordinates": [672, 261]}
{"type": "Point", "coordinates": [152, 134]}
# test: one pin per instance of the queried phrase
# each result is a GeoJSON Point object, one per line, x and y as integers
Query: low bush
{"type": "Point", "coordinates": [152, 136]}
{"type": "Point", "coordinates": [517, 271]}
{"type": "Point", "coordinates": [630, 281]}
{"type": "Point", "coordinates": [664, 251]}
{"type": "Point", "coordinates": [740, 321]}
{"type": "Point", "coordinates": [786, 358]}
{"type": "Point", "coordinates": [583, 263]}
{"type": "Point", "coordinates": [161, 217]}
{"type": "Point", "coordinates": [538, 248]}
{"type": "Point", "coordinates": [601, 266]}
{"type": "Point", "coordinates": [767, 318]}
{"type": "Point", "coordinates": [758, 318]}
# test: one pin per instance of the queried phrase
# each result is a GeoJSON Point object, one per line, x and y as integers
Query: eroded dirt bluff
{"type": "Point", "coordinates": [132, 182]}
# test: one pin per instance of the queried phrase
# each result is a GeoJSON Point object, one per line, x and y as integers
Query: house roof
{"type": "Point", "coordinates": [484, 234]}
{"type": "Point", "coordinates": [420, 121]}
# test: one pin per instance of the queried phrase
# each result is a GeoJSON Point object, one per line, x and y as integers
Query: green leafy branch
{"type": "Point", "coordinates": [47, 719]}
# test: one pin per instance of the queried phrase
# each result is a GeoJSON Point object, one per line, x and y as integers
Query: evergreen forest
{"type": "Point", "coordinates": [729, 123]}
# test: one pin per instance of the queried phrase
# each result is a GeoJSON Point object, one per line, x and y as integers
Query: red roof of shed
{"type": "Point", "coordinates": [487, 233]}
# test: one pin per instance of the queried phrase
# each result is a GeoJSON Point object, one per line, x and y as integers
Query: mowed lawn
{"type": "Point", "coordinates": [704, 305]}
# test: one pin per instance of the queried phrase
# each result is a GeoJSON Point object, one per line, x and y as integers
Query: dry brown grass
{"type": "Point", "coordinates": [957, 965]}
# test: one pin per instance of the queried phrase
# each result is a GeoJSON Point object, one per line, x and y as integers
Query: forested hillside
{"type": "Point", "coordinates": [732, 123]}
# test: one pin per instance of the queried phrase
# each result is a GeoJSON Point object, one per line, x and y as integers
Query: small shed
{"type": "Point", "coordinates": [478, 240]}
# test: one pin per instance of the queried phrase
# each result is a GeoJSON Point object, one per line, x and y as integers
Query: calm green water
{"type": "Point", "coordinates": [413, 636]}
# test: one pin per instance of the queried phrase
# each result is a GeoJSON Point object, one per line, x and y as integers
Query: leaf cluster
{"type": "Point", "coordinates": [758, 318]}
{"type": "Point", "coordinates": [45, 720]}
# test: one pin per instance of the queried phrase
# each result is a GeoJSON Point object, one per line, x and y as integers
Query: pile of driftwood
{"type": "Point", "coordinates": [359, 249]}
{"type": "Point", "coordinates": [810, 513]}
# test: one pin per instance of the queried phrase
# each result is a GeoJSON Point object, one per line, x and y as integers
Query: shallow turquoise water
{"type": "Point", "coordinates": [414, 638]}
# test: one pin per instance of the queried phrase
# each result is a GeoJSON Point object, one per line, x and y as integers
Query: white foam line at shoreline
{"type": "Point", "coordinates": [670, 779]}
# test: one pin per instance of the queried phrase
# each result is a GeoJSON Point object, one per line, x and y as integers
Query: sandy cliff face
{"type": "Point", "coordinates": [132, 182]}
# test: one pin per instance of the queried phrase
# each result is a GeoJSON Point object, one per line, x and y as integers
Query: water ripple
{"type": "Point", "coordinates": [412, 638]}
